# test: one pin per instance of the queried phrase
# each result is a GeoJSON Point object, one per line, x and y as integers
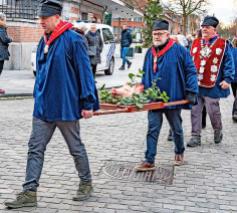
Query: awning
{"type": "Point", "coordinates": [118, 8]}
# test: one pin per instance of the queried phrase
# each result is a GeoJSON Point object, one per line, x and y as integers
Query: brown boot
{"type": "Point", "coordinates": [84, 191]}
{"type": "Point", "coordinates": [179, 160]}
{"type": "Point", "coordinates": [23, 199]}
{"type": "Point", "coordinates": [145, 166]}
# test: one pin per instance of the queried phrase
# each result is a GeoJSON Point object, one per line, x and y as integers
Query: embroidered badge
{"type": "Point", "coordinates": [215, 60]}
{"type": "Point", "coordinates": [201, 70]}
{"type": "Point", "coordinates": [218, 51]}
{"type": "Point", "coordinates": [214, 68]}
{"type": "Point", "coordinates": [205, 52]}
{"type": "Point", "coordinates": [213, 78]}
{"type": "Point", "coordinates": [203, 62]}
{"type": "Point", "coordinates": [200, 77]}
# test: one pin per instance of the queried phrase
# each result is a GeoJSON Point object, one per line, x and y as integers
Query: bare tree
{"type": "Point", "coordinates": [185, 8]}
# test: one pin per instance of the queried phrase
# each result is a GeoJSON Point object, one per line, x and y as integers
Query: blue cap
{"type": "Point", "coordinates": [160, 25]}
{"type": "Point", "coordinates": [210, 21]}
{"type": "Point", "coordinates": [50, 8]}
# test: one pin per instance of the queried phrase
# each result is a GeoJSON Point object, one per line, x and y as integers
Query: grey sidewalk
{"type": "Point", "coordinates": [207, 183]}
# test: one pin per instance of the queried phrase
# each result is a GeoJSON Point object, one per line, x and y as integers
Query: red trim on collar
{"type": "Point", "coordinates": [59, 30]}
{"type": "Point", "coordinates": [156, 55]}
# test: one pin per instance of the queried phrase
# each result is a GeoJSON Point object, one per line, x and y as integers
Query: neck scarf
{"type": "Point", "coordinates": [156, 55]}
{"type": "Point", "coordinates": [59, 30]}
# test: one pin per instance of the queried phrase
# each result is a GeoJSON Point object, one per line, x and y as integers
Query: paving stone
{"type": "Point", "coordinates": [206, 184]}
{"type": "Point", "coordinates": [117, 206]}
{"type": "Point", "coordinates": [173, 207]}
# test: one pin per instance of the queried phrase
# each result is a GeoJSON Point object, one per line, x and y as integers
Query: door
{"type": "Point", "coordinates": [108, 48]}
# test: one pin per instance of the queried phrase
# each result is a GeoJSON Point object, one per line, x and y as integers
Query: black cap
{"type": "Point", "coordinates": [50, 8]}
{"type": "Point", "coordinates": [160, 25]}
{"type": "Point", "coordinates": [210, 21]}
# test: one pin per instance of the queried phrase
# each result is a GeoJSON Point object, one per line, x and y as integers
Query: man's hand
{"type": "Point", "coordinates": [192, 97]}
{"type": "Point", "coordinates": [224, 85]}
{"type": "Point", "coordinates": [87, 113]}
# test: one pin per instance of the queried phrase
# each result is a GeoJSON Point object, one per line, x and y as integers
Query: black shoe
{"type": "Point", "coordinates": [129, 64]}
{"type": "Point", "coordinates": [122, 68]}
{"type": "Point", "coordinates": [218, 136]}
{"type": "Point", "coordinates": [170, 136]}
{"type": "Point", "coordinates": [194, 141]}
{"type": "Point", "coordinates": [234, 117]}
{"type": "Point", "coordinates": [204, 124]}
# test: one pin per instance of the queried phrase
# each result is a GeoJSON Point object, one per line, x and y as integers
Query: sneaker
{"type": "Point", "coordinates": [218, 136]}
{"type": "Point", "coordinates": [194, 141]}
{"type": "Point", "coordinates": [84, 191]}
{"type": "Point", "coordinates": [145, 166]}
{"type": "Point", "coordinates": [129, 64]}
{"type": "Point", "coordinates": [2, 91]}
{"type": "Point", "coordinates": [179, 160]}
{"type": "Point", "coordinates": [23, 199]}
{"type": "Point", "coordinates": [122, 68]}
{"type": "Point", "coordinates": [170, 136]}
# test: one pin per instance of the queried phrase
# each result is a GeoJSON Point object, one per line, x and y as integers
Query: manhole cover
{"type": "Point", "coordinates": [163, 174]}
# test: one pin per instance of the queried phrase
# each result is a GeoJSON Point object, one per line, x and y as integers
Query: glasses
{"type": "Point", "coordinates": [159, 34]}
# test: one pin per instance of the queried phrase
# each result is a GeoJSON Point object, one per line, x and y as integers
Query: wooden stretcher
{"type": "Point", "coordinates": [107, 109]}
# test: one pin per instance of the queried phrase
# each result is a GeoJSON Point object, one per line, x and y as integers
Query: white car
{"type": "Point", "coordinates": [107, 55]}
{"type": "Point", "coordinates": [182, 40]}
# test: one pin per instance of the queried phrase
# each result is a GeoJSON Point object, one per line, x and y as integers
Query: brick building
{"type": "Point", "coordinates": [26, 32]}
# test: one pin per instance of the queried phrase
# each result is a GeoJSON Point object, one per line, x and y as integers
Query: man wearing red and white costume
{"type": "Point", "coordinates": [213, 59]}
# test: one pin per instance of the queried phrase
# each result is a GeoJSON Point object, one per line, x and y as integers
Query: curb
{"type": "Point", "coordinates": [16, 96]}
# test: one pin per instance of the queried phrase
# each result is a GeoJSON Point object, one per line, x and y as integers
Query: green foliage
{"type": "Point", "coordinates": [153, 11]}
{"type": "Point", "coordinates": [135, 78]}
{"type": "Point", "coordinates": [151, 94]}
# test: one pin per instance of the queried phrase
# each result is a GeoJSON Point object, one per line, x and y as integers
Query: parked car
{"type": "Point", "coordinates": [182, 40]}
{"type": "Point", "coordinates": [107, 55]}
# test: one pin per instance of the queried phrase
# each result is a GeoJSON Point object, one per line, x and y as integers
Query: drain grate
{"type": "Point", "coordinates": [163, 174]}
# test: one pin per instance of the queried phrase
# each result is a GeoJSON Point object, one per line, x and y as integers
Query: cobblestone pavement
{"type": "Point", "coordinates": [207, 183]}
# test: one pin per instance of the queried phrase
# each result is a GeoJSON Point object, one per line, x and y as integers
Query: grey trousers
{"type": "Point", "coordinates": [41, 134]}
{"type": "Point", "coordinates": [213, 110]}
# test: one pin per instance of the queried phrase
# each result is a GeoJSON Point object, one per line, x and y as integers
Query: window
{"type": "Point", "coordinates": [20, 9]}
{"type": "Point", "coordinates": [84, 16]}
{"type": "Point", "coordinates": [138, 19]}
{"type": "Point", "coordinates": [2, 2]}
{"type": "Point", "coordinates": [107, 35]}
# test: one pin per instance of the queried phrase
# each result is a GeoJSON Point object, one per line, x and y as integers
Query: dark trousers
{"type": "Point", "coordinates": [155, 120]}
{"type": "Point", "coordinates": [1, 66]}
{"type": "Point", "coordinates": [234, 89]}
{"type": "Point", "coordinates": [41, 134]}
{"type": "Point", "coordinates": [93, 67]}
{"type": "Point", "coordinates": [213, 109]}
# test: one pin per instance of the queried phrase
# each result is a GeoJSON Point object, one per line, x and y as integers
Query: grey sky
{"type": "Point", "coordinates": [224, 10]}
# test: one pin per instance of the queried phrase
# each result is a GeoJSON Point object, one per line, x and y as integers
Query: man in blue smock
{"type": "Point", "coordinates": [171, 66]}
{"type": "Point", "coordinates": [213, 59]}
{"type": "Point", "coordinates": [64, 92]}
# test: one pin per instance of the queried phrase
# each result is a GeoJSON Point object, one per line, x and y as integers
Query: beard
{"type": "Point", "coordinates": [159, 43]}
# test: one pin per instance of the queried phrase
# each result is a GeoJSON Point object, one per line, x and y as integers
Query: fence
{"type": "Point", "coordinates": [19, 9]}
